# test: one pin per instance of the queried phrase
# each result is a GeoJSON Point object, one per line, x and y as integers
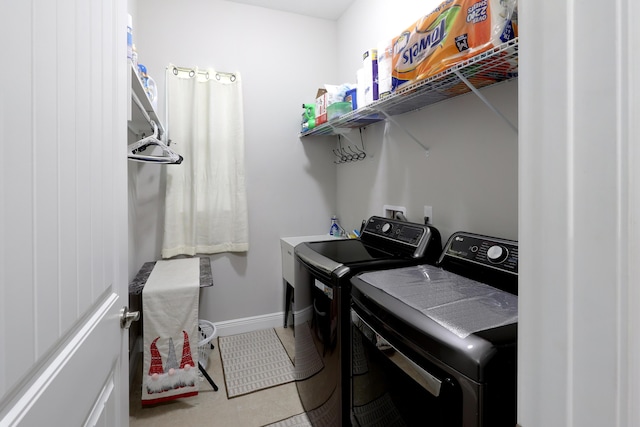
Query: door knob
{"type": "Point", "coordinates": [127, 317]}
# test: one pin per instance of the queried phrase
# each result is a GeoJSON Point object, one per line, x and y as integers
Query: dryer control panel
{"type": "Point", "coordinates": [491, 252]}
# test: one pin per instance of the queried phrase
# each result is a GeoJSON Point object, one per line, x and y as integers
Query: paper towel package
{"type": "Point", "coordinates": [385, 65]}
{"type": "Point", "coordinates": [454, 31]}
{"type": "Point", "coordinates": [360, 86]}
{"type": "Point", "coordinates": [369, 78]}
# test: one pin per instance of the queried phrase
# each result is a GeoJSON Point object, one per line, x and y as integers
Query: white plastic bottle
{"type": "Point", "coordinates": [335, 228]}
{"type": "Point", "coordinates": [134, 58]}
{"type": "Point", "coordinates": [129, 37]}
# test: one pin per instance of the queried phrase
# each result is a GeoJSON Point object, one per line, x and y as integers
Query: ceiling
{"type": "Point", "coordinates": [326, 9]}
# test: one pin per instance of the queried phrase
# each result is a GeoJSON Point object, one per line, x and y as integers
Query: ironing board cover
{"type": "Point", "coordinates": [170, 322]}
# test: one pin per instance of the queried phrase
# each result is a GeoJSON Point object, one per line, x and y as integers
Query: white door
{"type": "Point", "coordinates": [579, 211]}
{"type": "Point", "coordinates": [63, 213]}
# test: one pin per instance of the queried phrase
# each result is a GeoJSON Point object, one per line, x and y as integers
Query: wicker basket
{"type": "Point", "coordinates": [207, 332]}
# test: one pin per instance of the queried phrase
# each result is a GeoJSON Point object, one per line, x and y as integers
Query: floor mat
{"type": "Point", "coordinates": [254, 361]}
{"type": "Point", "coordinates": [300, 420]}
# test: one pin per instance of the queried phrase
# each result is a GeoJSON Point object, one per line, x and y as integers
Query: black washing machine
{"type": "Point", "coordinates": [436, 345]}
{"type": "Point", "coordinates": [323, 327]}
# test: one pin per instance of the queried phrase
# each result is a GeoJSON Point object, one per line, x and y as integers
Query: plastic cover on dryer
{"type": "Point", "coordinates": [463, 306]}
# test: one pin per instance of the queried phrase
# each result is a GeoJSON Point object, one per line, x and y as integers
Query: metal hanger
{"type": "Point", "coordinates": [344, 156]}
{"type": "Point", "coordinates": [169, 156]}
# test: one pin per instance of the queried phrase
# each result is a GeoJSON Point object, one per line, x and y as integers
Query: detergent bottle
{"type": "Point", "coordinates": [308, 117]}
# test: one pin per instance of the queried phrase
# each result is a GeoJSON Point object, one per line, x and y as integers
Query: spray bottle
{"type": "Point", "coordinates": [308, 117]}
{"type": "Point", "coordinates": [335, 228]}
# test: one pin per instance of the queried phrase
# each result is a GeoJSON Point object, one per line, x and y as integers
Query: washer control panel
{"type": "Point", "coordinates": [402, 238]}
{"type": "Point", "coordinates": [400, 231]}
{"type": "Point", "coordinates": [491, 252]}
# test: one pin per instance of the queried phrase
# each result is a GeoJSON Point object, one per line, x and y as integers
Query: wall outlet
{"type": "Point", "coordinates": [428, 214]}
{"type": "Point", "coordinates": [389, 211]}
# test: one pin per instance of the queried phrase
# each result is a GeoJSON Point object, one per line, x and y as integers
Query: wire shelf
{"type": "Point", "coordinates": [492, 66]}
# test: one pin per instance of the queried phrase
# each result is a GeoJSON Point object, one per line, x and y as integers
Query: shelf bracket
{"type": "Point", "coordinates": [147, 117]}
{"type": "Point", "coordinates": [342, 132]}
{"type": "Point", "coordinates": [405, 130]}
{"type": "Point", "coordinates": [485, 100]}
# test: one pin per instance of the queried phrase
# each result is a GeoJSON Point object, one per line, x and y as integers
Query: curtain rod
{"type": "Point", "coordinates": [192, 72]}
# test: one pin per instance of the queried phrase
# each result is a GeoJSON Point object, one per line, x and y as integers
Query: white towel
{"type": "Point", "coordinates": [170, 316]}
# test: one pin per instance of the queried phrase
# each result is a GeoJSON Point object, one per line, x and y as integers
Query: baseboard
{"type": "Point", "coordinates": [255, 323]}
{"type": "Point", "coordinates": [232, 327]}
{"type": "Point", "coordinates": [249, 324]}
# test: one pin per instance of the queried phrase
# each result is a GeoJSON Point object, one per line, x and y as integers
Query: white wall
{"type": "Point", "coordinates": [366, 23]}
{"type": "Point", "coordinates": [290, 184]}
{"type": "Point", "coordinates": [470, 177]}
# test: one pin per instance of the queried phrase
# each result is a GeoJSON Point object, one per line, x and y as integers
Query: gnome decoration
{"type": "Point", "coordinates": [156, 361]}
{"type": "Point", "coordinates": [172, 376]}
{"type": "Point", "coordinates": [187, 361]}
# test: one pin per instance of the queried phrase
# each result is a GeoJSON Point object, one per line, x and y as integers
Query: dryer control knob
{"type": "Point", "coordinates": [386, 227]}
{"type": "Point", "coordinates": [496, 254]}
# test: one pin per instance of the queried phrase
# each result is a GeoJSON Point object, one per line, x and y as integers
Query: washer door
{"type": "Point", "coordinates": [389, 387]}
{"type": "Point", "coordinates": [318, 358]}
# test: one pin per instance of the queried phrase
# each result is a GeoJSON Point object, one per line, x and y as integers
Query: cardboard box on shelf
{"type": "Point", "coordinates": [321, 106]}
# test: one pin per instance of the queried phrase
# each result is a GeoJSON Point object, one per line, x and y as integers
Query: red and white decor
{"type": "Point", "coordinates": [170, 316]}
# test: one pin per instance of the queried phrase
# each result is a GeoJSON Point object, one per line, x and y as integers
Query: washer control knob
{"type": "Point", "coordinates": [386, 227]}
{"type": "Point", "coordinates": [496, 254]}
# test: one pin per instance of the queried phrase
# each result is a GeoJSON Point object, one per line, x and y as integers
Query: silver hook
{"type": "Point", "coordinates": [364, 152]}
{"type": "Point", "coordinates": [361, 154]}
{"type": "Point", "coordinates": [346, 156]}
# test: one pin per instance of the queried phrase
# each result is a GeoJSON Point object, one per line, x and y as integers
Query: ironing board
{"type": "Point", "coordinates": [172, 297]}
{"type": "Point", "coordinates": [137, 284]}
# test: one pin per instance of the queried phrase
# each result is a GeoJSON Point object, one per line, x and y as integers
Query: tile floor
{"type": "Point", "coordinates": [211, 408]}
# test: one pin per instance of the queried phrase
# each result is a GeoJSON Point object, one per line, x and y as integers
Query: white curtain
{"type": "Point", "coordinates": [206, 203]}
